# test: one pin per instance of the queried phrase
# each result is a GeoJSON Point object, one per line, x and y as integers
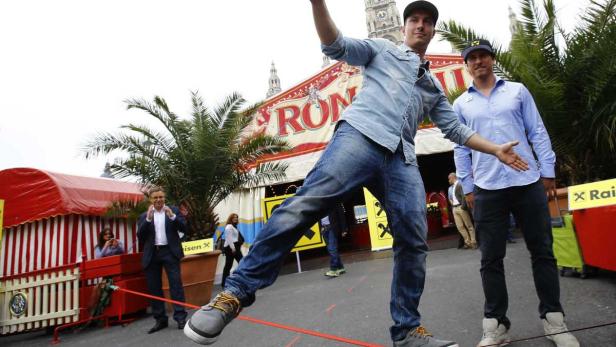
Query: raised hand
{"type": "Point", "coordinates": [168, 211]}
{"type": "Point", "coordinates": [150, 214]}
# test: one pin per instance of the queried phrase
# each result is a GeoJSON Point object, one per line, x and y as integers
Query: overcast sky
{"type": "Point", "coordinates": [67, 66]}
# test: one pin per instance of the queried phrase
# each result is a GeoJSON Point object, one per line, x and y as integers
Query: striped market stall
{"type": "Point", "coordinates": [53, 219]}
{"type": "Point", "coordinates": [51, 223]}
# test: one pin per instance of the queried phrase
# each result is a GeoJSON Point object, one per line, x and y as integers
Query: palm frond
{"type": "Point", "coordinates": [266, 173]}
{"type": "Point", "coordinates": [230, 106]}
{"type": "Point", "coordinates": [598, 16]}
{"type": "Point", "coordinates": [155, 138]}
{"type": "Point", "coordinates": [457, 34]}
{"type": "Point", "coordinates": [531, 20]}
{"type": "Point", "coordinates": [459, 37]}
{"type": "Point", "coordinates": [199, 160]}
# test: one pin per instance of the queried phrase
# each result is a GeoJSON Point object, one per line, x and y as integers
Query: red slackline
{"type": "Point", "coordinates": [259, 321]}
{"type": "Point", "coordinates": [322, 335]}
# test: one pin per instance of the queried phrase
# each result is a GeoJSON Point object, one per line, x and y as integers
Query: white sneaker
{"type": "Point", "coordinates": [494, 334]}
{"type": "Point", "coordinates": [554, 323]}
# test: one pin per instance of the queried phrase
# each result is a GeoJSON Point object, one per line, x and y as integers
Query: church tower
{"type": "Point", "coordinates": [383, 20]}
{"type": "Point", "coordinates": [274, 82]}
{"type": "Point", "coordinates": [513, 22]}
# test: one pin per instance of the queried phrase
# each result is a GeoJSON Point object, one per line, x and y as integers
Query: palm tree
{"type": "Point", "coordinates": [571, 76]}
{"type": "Point", "coordinates": [199, 161]}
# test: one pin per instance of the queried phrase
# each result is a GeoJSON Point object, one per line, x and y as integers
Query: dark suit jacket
{"type": "Point", "coordinates": [146, 234]}
{"type": "Point", "coordinates": [459, 193]}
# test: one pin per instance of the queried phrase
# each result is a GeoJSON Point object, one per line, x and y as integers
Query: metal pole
{"type": "Point", "coordinates": [299, 264]}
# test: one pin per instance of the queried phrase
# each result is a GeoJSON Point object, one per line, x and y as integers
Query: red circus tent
{"type": "Point", "coordinates": [31, 194]}
{"type": "Point", "coordinates": [53, 219]}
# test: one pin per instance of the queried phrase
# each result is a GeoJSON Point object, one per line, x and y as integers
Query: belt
{"type": "Point", "coordinates": [159, 247]}
{"type": "Point", "coordinates": [458, 205]}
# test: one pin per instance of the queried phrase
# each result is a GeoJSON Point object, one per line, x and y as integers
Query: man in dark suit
{"type": "Point", "coordinates": [158, 230]}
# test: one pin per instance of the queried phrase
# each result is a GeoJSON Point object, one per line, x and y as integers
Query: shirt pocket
{"type": "Point", "coordinates": [399, 65]}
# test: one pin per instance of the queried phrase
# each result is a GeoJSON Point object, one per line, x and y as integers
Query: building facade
{"type": "Point", "coordinates": [383, 20]}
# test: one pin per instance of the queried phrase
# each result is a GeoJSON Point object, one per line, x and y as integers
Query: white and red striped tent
{"type": "Point", "coordinates": [53, 219]}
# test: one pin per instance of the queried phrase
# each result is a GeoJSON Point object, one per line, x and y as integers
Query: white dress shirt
{"type": "Point", "coordinates": [160, 237]}
{"type": "Point", "coordinates": [453, 194]}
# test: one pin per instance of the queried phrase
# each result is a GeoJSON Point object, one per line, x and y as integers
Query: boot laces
{"type": "Point", "coordinates": [421, 332]}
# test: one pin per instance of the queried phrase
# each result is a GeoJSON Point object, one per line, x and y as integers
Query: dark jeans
{"type": "Point", "coordinates": [229, 257]}
{"type": "Point", "coordinates": [529, 206]}
{"type": "Point", "coordinates": [349, 162]}
{"type": "Point", "coordinates": [331, 241]}
{"type": "Point", "coordinates": [153, 274]}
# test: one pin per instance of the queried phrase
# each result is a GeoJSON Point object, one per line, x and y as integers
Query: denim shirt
{"type": "Point", "coordinates": [507, 114]}
{"type": "Point", "coordinates": [393, 100]}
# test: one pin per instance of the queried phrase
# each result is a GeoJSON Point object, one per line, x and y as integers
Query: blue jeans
{"type": "Point", "coordinates": [331, 241]}
{"type": "Point", "coordinates": [349, 162]}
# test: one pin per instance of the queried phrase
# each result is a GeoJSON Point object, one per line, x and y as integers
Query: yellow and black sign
{"type": "Point", "coordinates": [380, 234]}
{"type": "Point", "coordinates": [198, 246]}
{"type": "Point", "coordinates": [589, 195]}
{"type": "Point", "coordinates": [312, 237]}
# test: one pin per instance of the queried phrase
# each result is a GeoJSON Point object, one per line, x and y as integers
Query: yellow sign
{"type": "Point", "coordinates": [310, 239]}
{"type": "Point", "coordinates": [1, 221]}
{"type": "Point", "coordinates": [198, 246]}
{"type": "Point", "coordinates": [380, 235]}
{"type": "Point", "coordinates": [589, 195]}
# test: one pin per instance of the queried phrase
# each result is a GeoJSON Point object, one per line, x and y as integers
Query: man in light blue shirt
{"type": "Point", "coordinates": [504, 111]}
{"type": "Point", "coordinates": [373, 147]}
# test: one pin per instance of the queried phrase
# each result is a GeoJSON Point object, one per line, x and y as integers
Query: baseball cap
{"type": "Point", "coordinates": [420, 5]}
{"type": "Point", "coordinates": [477, 45]}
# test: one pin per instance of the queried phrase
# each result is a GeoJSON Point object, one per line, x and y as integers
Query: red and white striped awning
{"type": "Point", "coordinates": [53, 219]}
{"type": "Point", "coordinates": [31, 194]}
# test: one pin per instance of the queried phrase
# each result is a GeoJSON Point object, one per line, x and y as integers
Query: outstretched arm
{"type": "Point", "coordinates": [323, 22]}
{"type": "Point", "coordinates": [503, 152]}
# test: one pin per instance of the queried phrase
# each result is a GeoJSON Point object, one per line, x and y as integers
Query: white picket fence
{"type": "Point", "coordinates": [52, 298]}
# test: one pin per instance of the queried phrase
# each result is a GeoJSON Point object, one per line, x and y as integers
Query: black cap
{"type": "Point", "coordinates": [420, 5]}
{"type": "Point", "coordinates": [477, 45]}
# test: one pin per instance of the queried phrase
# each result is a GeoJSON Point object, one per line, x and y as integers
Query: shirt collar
{"type": "Point", "coordinates": [499, 81]}
{"type": "Point", "coordinates": [406, 49]}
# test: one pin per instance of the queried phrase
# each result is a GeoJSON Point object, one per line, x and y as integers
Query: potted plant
{"type": "Point", "coordinates": [433, 217]}
{"type": "Point", "coordinates": [199, 161]}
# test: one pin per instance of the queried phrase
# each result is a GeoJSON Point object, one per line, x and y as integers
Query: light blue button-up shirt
{"type": "Point", "coordinates": [507, 114]}
{"type": "Point", "coordinates": [393, 100]}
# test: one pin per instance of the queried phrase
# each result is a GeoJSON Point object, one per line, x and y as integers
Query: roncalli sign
{"type": "Point", "coordinates": [305, 115]}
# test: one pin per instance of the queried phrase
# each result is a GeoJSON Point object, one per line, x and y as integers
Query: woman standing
{"type": "Point", "coordinates": [107, 244]}
{"type": "Point", "coordinates": [232, 245]}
